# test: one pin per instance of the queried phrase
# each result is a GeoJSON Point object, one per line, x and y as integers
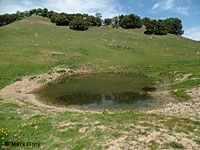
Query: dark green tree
{"type": "Point", "coordinates": [76, 15]}
{"type": "Point", "coordinates": [50, 14]}
{"type": "Point", "coordinates": [98, 19]}
{"type": "Point", "coordinates": [84, 16]}
{"type": "Point", "coordinates": [121, 17]}
{"type": "Point", "coordinates": [131, 22]}
{"type": "Point", "coordinates": [91, 20]}
{"type": "Point", "coordinates": [7, 18]}
{"type": "Point", "coordinates": [38, 12]}
{"type": "Point", "coordinates": [33, 11]}
{"type": "Point", "coordinates": [174, 26]}
{"type": "Point", "coordinates": [98, 15]}
{"type": "Point", "coordinates": [53, 17]}
{"type": "Point", "coordinates": [21, 15]}
{"type": "Point", "coordinates": [27, 14]}
{"type": "Point", "coordinates": [146, 20]}
{"type": "Point", "coordinates": [150, 27]}
{"type": "Point", "coordinates": [160, 28]}
{"type": "Point", "coordinates": [18, 15]}
{"type": "Point", "coordinates": [45, 12]}
{"type": "Point", "coordinates": [116, 20]}
{"type": "Point", "coordinates": [107, 21]}
{"type": "Point", "coordinates": [61, 19]}
{"type": "Point", "coordinates": [79, 24]}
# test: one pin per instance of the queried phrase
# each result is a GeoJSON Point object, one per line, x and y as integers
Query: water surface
{"type": "Point", "coordinates": [98, 90]}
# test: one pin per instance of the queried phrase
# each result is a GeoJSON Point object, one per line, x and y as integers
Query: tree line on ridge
{"type": "Point", "coordinates": [82, 22]}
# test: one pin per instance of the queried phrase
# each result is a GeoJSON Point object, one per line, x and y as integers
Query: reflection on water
{"type": "Point", "coordinates": [124, 98]}
{"type": "Point", "coordinates": [99, 90]}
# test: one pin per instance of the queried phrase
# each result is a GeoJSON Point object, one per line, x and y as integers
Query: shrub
{"type": "Point", "coordinates": [146, 20]}
{"type": "Point", "coordinates": [61, 19]}
{"type": "Point", "coordinates": [174, 26]}
{"type": "Point", "coordinates": [91, 20]}
{"type": "Point", "coordinates": [107, 21]}
{"type": "Point", "coordinates": [78, 24]}
{"type": "Point", "coordinates": [7, 18]}
{"type": "Point", "coordinates": [94, 21]}
{"type": "Point", "coordinates": [98, 21]}
{"type": "Point", "coordinates": [131, 22]}
{"type": "Point", "coordinates": [150, 27]}
{"type": "Point", "coordinates": [160, 28]}
{"type": "Point", "coordinates": [156, 27]}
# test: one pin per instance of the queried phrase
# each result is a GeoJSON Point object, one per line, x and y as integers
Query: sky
{"type": "Point", "coordinates": [186, 10]}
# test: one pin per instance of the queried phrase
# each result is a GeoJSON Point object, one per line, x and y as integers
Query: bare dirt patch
{"type": "Point", "coordinates": [190, 108]}
{"type": "Point", "coordinates": [22, 90]}
{"type": "Point", "coordinates": [172, 107]}
{"type": "Point", "coordinates": [182, 78]}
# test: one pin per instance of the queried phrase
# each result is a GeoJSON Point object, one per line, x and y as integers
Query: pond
{"type": "Point", "coordinates": [99, 91]}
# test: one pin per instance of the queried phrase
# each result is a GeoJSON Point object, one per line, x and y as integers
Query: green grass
{"type": "Point", "coordinates": [194, 76]}
{"type": "Point", "coordinates": [175, 145]}
{"type": "Point", "coordinates": [197, 141]}
{"type": "Point", "coordinates": [182, 96]}
{"type": "Point", "coordinates": [58, 130]}
{"type": "Point", "coordinates": [98, 49]}
{"type": "Point", "coordinates": [48, 45]}
{"type": "Point", "coordinates": [186, 84]}
{"type": "Point", "coordinates": [116, 134]}
{"type": "Point", "coordinates": [42, 81]}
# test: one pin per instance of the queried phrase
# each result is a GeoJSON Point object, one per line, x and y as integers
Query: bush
{"type": "Point", "coordinates": [146, 20]}
{"type": "Point", "coordinates": [7, 18]}
{"type": "Point", "coordinates": [174, 26]}
{"type": "Point", "coordinates": [98, 21]}
{"type": "Point", "coordinates": [94, 21]}
{"type": "Point", "coordinates": [53, 17]}
{"type": "Point", "coordinates": [50, 14]}
{"type": "Point", "coordinates": [107, 21]}
{"type": "Point", "coordinates": [79, 24]}
{"type": "Point", "coordinates": [61, 19]}
{"type": "Point", "coordinates": [156, 27]}
{"type": "Point", "coordinates": [150, 27]}
{"type": "Point", "coordinates": [91, 20]}
{"type": "Point", "coordinates": [160, 28]}
{"type": "Point", "coordinates": [131, 22]}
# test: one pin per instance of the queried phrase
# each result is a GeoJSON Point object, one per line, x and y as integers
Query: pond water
{"type": "Point", "coordinates": [99, 90]}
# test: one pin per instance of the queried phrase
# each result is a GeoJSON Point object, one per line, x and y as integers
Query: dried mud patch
{"type": "Point", "coordinates": [189, 108]}
{"type": "Point", "coordinates": [21, 91]}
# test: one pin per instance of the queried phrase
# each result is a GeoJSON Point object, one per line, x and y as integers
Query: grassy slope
{"type": "Point", "coordinates": [76, 131]}
{"type": "Point", "coordinates": [96, 48]}
{"type": "Point", "coordinates": [158, 57]}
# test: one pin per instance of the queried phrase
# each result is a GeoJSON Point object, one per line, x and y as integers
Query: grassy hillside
{"type": "Point", "coordinates": [76, 131]}
{"type": "Point", "coordinates": [35, 45]}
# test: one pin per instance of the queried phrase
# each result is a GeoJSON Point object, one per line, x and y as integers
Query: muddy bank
{"type": "Point", "coordinates": [22, 90]}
